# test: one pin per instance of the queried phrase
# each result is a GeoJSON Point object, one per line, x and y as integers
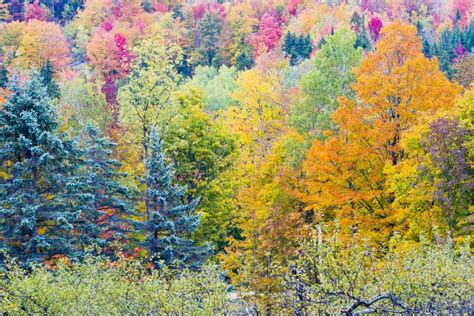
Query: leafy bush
{"type": "Point", "coordinates": [330, 278]}
{"type": "Point", "coordinates": [326, 277]}
{"type": "Point", "coordinates": [99, 287]}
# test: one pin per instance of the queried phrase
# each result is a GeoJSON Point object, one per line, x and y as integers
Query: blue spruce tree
{"type": "Point", "coordinates": [106, 218]}
{"type": "Point", "coordinates": [362, 39]}
{"type": "Point", "coordinates": [170, 220]}
{"type": "Point", "coordinates": [47, 76]}
{"type": "Point", "coordinates": [36, 208]}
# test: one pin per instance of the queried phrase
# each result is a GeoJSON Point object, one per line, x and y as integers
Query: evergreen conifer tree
{"type": "Point", "coordinates": [47, 75]}
{"type": "Point", "coordinates": [321, 42]}
{"type": "Point", "coordinates": [288, 43]}
{"type": "Point", "coordinates": [297, 48]}
{"type": "Point", "coordinates": [356, 22]}
{"type": "Point", "coordinates": [307, 46]}
{"type": "Point", "coordinates": [37, 210]}
{"type": "Point", "coordinates": [210, 27]}
{"type": "Point", "coordinates": [3, 77]}
{"type": "Point", "coordinates": [107, 216]}
{"type": "Point", "coordinates": [245, 59]}
{"type": "Point", "coordinates": [362, 38]}
{"type": "Point", "coordinates": [170, 220]}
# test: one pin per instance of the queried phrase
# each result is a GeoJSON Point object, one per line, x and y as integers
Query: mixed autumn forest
{"type": "Point", "coordinates": [238, 157]}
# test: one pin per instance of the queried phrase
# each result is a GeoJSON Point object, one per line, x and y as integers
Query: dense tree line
{"type": "Point", "coordinates": [157, 137]}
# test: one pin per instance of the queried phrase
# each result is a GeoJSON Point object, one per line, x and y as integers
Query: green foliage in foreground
{"type": "Point", "coordinates": [104, 288]}
{"type": "Point", "coordinates": [325, 278]}
{"type": "Point", "coordinates": [329, 278]}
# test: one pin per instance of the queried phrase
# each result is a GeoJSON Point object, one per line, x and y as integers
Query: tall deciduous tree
{"type": "Point", "coordinates": [42, 41]}
{"type": "Point", "coordinates": [375, 26]}
{"type": "Point", "coordinates": [320, 88]}
{"type": "Point", "coordinates": [203, 153]}
{"type": "Point", "coordinates": [110, 56]}
{"type": "Point", "coordinates": [345, 175]}
{"type": "Point", "coordinates": [146, 97]}
{"type": "Point", "coordinates": [268, 35]}
{"type": "Point", "coordinates": [217, 85]}
{"type": "Point", "coordinates": [445, 143]}
{"type": "Point", "coordinates": [146, 102]}
{"type": "Point", "coordinates": [35, 11]}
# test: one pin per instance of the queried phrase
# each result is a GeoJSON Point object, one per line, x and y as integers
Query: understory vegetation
{"type": "Point", "coordinates": [327, 277]}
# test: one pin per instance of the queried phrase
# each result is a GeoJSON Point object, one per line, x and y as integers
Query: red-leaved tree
{"type": "Point", "coordinates": [375, 26]}
{"type": "Point", "coordinates": [34, 11]}
{"type": "Point", "coordinates": [268, 35]}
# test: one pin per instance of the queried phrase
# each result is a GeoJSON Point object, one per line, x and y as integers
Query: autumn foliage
{"type": "Point", "coordinates": [314, 149]}
{"type": "Point", "coordinates": [345, 174]}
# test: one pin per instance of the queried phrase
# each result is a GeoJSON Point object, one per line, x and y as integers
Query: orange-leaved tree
{"type": "Point", "coordinates": [345, 175]}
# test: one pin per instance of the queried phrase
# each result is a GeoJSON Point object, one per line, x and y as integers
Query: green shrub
{"type": "Point", "coordinates": [328, 277]}
{"type": "Point", "coordinates": [99, 287]}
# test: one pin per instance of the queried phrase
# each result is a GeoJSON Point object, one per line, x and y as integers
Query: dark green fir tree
{"type": "Point", "coordinates": [356, 22]}
{"type": "Point", "coordinates": [170, 220]}
{"type": "Point", "coordinates": [106, 219]}
{"type": "Point", "coordinates": [362, 39]}
{"type": "Point", "coordinates": [245, 58]}
{"type": "Point", "coordinates": [47, 75]}
{"type": "Point", "coordinates": [289, 43]}
{"type": "Point", "coordinates": [3, 77]}
{"type": "Point", "coordinates": [210, 27]}
{"type": "Point", "coordinates": [424, 39]}
{"type": "Point", "coordinates": [37, 211]}
{"type": "Point", "coordinates": [298, 48]}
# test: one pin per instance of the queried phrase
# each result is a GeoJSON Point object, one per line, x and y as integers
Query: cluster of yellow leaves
{"type": "Point", "coordinates": [32, 44]}
{"type": "Point", "coordinates": [413, 196]}
{"type": "Point", "coordinates": [241, 22]}
{"type": "Point", "coordinates": [4, 93]}
{"type": "Point", "coordinates": [270, 217]}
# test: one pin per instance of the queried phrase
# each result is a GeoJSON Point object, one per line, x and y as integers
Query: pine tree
{"type": "Point", "coordinates": [468, 37]}
{"type": "Point", "coordinates": [3, 77]}
{"type": "Point", "coordinates": [210, 27]}
{"type": "Point", "coordinates": [446, 48]}
{"type": "Point", "coordinates": [321, 42]}
{"type": "Point", "coordinates": [170, 221]}
{"type": "Point", "coordinates": [308, 47]}
{"type": "Point", "coordinates": [457, 17]}
{"type": "Point", "coordinates": [245, 59]}
{"type": "Point", "coordinates": [356, 22]}
{"type": "Point", "coordinates": [297, 48]}
{"type": "Point", "coordinates": [37, 209]}
{"type": "Point", "coordinates": [107, 216]}
{"type": "Point", "coordinates": [426, 44]}
{"type": "Point", "coordinates": [288, 43]}
{"type": "Point", "coordinates": [47, 75]}
{"type": "Point", "coordinates": [427, 48]}
{"type": "Point", "coordinates": [362, 38]}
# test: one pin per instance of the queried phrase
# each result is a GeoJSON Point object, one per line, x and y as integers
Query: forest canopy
{"type": "Point", "coordinates": [236, 157]}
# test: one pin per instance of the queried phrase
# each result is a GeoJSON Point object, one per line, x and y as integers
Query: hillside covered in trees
{"type": "Point", "coordinates": [236, 157]}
